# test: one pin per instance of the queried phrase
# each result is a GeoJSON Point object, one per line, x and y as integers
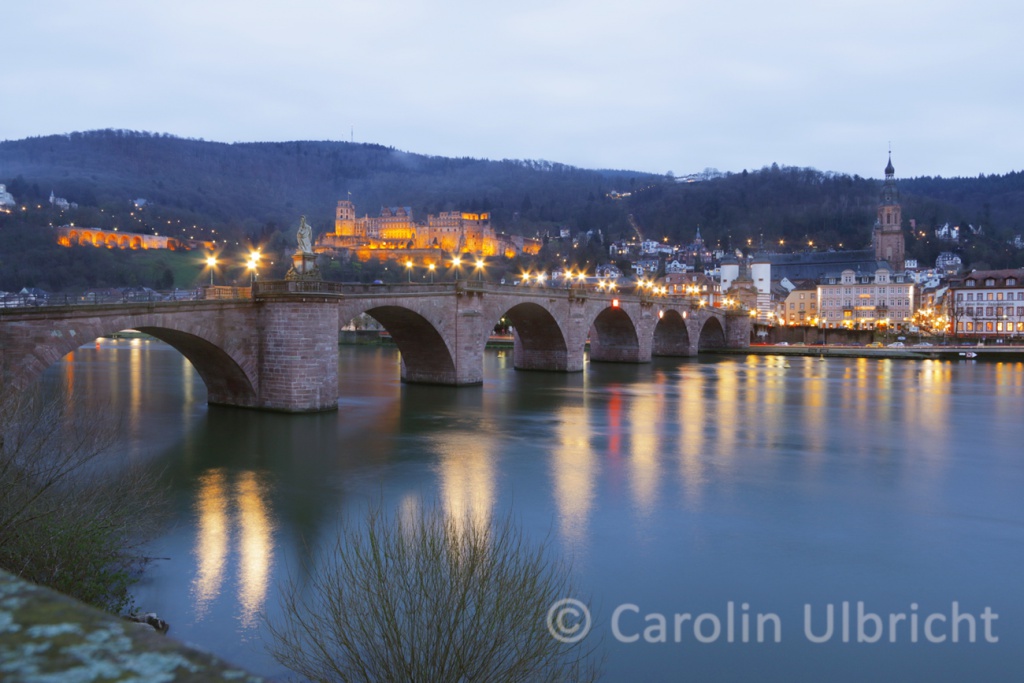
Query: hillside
{"type": "Point", "coordinates": [250, 184]}
{"type": "Point", "coordinates": [252, 193]}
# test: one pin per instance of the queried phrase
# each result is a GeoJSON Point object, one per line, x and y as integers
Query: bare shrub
{"type": "Point", "coordinates": [427, 597]}
{"type": "Point", "coordinates": [70, 519]}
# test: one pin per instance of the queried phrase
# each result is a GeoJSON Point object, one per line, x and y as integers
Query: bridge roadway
{"type": "Point", "coordinates": [278, 349]}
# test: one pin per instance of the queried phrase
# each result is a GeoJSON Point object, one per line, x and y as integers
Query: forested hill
{"type": "Point", "coordinates": [260, 188]}
{"type": "Point", "coordinates": [246, 184]}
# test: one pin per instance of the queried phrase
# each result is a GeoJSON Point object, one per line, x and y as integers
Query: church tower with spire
{"type": "Point", "coordinates": [887, 235]}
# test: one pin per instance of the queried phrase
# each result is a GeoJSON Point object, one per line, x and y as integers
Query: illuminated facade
{"type": "Point", "coordinates": [395, 230]}
{"type": "Point", "coordinates": [862, 301]}
{"type": "Point", "coordinates": [801, 306]}
{"type": "Point", "coordinates": [71, 236]}
{"type": "Point", "coordinates": [988, 303]}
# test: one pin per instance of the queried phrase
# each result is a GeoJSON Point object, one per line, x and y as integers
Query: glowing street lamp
{"type": "Point", "coordinates": [408, 269]}
{"type": "Point", "coordinates": [480, 268]}
{"type": "Point", "coordinates": [432, 268]}
{"type": "Point", "coordinates": [457, 265]}
{"type": "Point", "coordinates": [211, 263]}
{"type": "Point", "coordinates": [253, 265]}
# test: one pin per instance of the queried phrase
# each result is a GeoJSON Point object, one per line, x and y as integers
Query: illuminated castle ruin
{"type": "Point", "coordinates": [395, 230]}
{"type": "Point", "coordinates": [71, 236]}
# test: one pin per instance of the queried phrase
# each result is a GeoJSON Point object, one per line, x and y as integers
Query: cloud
{"type": "Point", "coordinates": [650, 85]}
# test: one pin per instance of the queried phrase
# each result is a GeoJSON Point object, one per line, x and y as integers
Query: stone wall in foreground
{"type": "Point", "coordinates": [46, 636]}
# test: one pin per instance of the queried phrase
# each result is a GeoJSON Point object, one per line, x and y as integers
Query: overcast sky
{"type": "Point", "coordinates": [649, 85]}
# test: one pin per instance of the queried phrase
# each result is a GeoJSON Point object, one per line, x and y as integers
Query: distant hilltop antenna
{"type": "Point", "coordinates": [352, 134]}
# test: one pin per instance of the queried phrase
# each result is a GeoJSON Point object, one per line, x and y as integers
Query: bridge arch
{"type": "Point", "coordinates": [614, 338]}
{"type": "Point", "coordinates": [224, 365]}
{"type": "Point", "coordinates": [226, 382]}
{"type": "Point", "coordinates": [671, 338]}
{"type": "Point", "coordinates": [426, 358]}
{"type": "Point", "coordinates": [538, 340]}
{"type": "Point", "coordinates": [712, 335]}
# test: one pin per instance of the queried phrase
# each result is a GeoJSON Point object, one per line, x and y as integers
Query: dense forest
{"type": "Point", "coordinates": [252, 194]}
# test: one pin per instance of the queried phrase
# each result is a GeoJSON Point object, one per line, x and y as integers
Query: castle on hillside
{"type": "Point", "coordinates": [395, 230]}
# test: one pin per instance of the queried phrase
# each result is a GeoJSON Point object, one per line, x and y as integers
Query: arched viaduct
{"type": "Point", "coordinates": [278, 350]}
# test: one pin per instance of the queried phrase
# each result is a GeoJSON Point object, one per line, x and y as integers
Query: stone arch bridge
{"type": "Point", "coordinates": [279, 349]}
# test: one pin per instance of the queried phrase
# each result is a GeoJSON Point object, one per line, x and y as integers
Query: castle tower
{"type": "Point", "coordinates": [345, 219]}
{"type": "Point", "coordinates": [887, 236]}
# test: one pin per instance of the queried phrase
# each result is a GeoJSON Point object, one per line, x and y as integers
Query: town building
{"type": "Point", "coordinates": [61, 203]}
{"type": "Point", "coordinates": [987, 303]}
{"type": "Point", "coordinates": [693, 284]}
{"type": "Point", "coordinates": [863, 301]}
{"type": "Point", "coordinates": [948, 263]}
{"type": "Point", "coordinates": [801, 305]}
{"type": "Point", "coordinates": [6, 198]}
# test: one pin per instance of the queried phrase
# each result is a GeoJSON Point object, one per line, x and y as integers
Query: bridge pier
{"type": "Point", "coordinates": [298, 356]}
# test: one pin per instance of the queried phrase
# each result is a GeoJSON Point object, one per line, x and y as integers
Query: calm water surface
{"type": "Point", "coordinates": [678, 487]}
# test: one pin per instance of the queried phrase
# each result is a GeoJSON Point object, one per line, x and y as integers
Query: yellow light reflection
{"type": "Point", "coordinates": [212, 539]}
{"type": "Point", "coordinates": [815, 406]}
{"type": "Point", "coordinates": [188, 382]}
{"type": "Point", "coordinates": [467, 473]}
{"type": "Point", "coordinates": [256, 545]}
{"type": "Point", "coordinates": [645, 418]}
{"type": "Point", "coordinates": [693, 413]}
{"type": "Point", "coordinates": [574, 470]}
{"type": "Point", "coordinates": [134, 381]}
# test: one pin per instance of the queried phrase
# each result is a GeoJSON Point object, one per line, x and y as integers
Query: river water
{"type": "Point", "coordinates": [741, 491]}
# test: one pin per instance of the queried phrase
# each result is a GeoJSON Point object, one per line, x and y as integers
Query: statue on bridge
{"type": "Point", "coordinates": [304, 237]}
{"type": "Point", "coordinates": [303, 260]}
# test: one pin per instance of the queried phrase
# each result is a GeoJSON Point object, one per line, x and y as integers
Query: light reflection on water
{"type": "Point", "coordinates": [677, 486]}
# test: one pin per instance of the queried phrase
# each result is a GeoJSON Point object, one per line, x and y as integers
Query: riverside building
{"type": "Point", "coordinates": [987, 303]}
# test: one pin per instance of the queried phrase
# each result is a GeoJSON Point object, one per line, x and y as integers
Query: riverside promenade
{"type": "Point", "coordinates": [996, 353]}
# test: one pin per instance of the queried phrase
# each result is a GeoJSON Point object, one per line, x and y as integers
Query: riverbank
{"type": "Point", "coordinates": [982, 353]}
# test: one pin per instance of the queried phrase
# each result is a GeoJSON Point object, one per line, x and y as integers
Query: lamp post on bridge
{"type": "Point", "coordinates": [253, 266]}
{"type": "Point", "coordinates": [211, 263]}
